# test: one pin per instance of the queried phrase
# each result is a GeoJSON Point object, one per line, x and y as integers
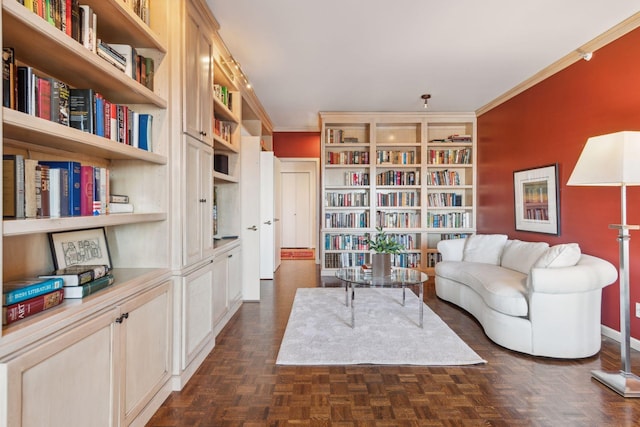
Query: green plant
{"type": "Point", "coordinates": [383, 243]}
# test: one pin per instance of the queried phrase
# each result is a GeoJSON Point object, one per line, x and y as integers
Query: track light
{"type": "Point", "coordinates": [426, 97]}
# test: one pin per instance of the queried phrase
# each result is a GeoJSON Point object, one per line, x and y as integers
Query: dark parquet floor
{"type": "Point", "coordinates": [240, 385]}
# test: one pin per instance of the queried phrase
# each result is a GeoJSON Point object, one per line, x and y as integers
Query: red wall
{"type": "Point", "coordinates": [296, 144]}
{"type": "Point", "coordinates": [550, 123]}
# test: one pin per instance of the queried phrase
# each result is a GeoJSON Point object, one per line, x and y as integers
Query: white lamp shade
{"type": "Point", "coordinates": [609, 160]}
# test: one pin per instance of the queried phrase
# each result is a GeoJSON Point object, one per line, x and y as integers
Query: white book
{"type": "Point", "coordinates": [116, 208]}
{"type": "Point", "coordinates": [135, 130]}
{"type": "Point", "coordinates": [130, 54]}
{"type": "Point", "coordinates": [86, 27]}
{"type": "Point", "coordinates": [54, 192]}
{"type": "Point", "coordinates": [103, 191]}
{"type": "Point", "coordinates": [31, 188]}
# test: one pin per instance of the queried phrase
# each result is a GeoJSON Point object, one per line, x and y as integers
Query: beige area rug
{"type": "Point", "coordinates": [319, 331]}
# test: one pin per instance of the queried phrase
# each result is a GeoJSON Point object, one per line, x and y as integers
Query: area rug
{"type": "Point", "coordinates": [297, 254]}
{"type": "Point", "coordinates": [319, 331]}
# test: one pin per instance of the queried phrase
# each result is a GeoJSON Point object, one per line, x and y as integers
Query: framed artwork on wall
{"type": "Point", "coordinates": [80, 247]}
{"type": "Point", "coordinates": [537, 203]}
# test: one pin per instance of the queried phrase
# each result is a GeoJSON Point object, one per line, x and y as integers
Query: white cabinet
{"type": "Point", "coordinates": [198, 203]}
{"type": "Point", "coordinates": [234, 259]}
{"type": "Point", "coordinates": [198, 73]}
{"type": "Point", "coordinates": [102, 372]}
{"type": "Point", "coordinates": [220, 295]}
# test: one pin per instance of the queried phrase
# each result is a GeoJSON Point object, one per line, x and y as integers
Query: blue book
{"type": "Point", "coordinates": [73, 184]}
{"type": "Point", "coordinates": [22, 290]}
{"type": "Point", "coordinates": [97, 203]}
{"type": "Point", "coordinates": [144, 131]}
{"type": "Point", "coordinates": [99, 115]}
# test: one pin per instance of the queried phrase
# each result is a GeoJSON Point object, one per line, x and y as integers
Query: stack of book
{"type": "Point", "coordinates": [80, 281]}
{"type": "Point", "coordinates": [24, 298]}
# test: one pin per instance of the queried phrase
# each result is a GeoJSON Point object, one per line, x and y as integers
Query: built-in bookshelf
{"type": "Point", "coordinates": [411, 173]}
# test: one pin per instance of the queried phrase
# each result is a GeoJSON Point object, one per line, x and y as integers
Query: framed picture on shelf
{"type": "Point", "coordinates": [537, 204]}
{"type": "Point", "coordinates": [80, 247]}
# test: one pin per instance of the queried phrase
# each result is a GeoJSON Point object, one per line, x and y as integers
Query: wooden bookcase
{"type": "Point", "coordinates": [377, 170]}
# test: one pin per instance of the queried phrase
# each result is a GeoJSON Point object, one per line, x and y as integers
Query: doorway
{"type": "Point", "coordinates": [299, 207]}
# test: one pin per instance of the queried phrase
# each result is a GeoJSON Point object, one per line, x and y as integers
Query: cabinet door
{"type": "Point", "coordinates": [197, 101]}
{"type": "Point", "coordinates": [198, 203]}
{"type": "Point", "coordinates": [220, 277]}
{"type": "Point", "coordinates": [197, 313]}
{"type": "Point", "coordinates": [69, 380]}
{"type": "Point", "coordinates": [234, 259]}
{"type": "Point", "coordinates": [146, 348]}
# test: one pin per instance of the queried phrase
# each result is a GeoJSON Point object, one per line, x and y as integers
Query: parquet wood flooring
{"type": "Point", "coordinates": [239, 384]}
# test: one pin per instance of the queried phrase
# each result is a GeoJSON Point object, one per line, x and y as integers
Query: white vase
{"type": "Point", "coordinates": [380, 265]}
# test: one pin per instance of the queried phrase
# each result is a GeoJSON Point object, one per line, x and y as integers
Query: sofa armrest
{"type": "Point", "coordinates": [452, 249]}
{"type": "Point", "coordinates": [588, 274]}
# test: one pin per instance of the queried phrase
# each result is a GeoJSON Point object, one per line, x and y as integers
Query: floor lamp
{"type": "Point", "coordinates": [614, 160]}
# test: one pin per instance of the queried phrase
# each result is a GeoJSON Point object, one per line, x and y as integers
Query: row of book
{"type": "Point", "coordinates": [337, 136]}
{"type": "Point", "coordinates": [393, 177]}
{"type": "Point", "coordinates": [449, 220]}
{"type": "Point", "coordinates": [357, 242]}
{"type": "Point", "coordinates": [454, 156]}
{"type": "Point", "coordinates": [348, 158]}
{"type": "Point", "coordinates": [41, 189]}
{"type": "Point", "coordinates": [26, 297]}
{"type": "Point", "coordinates": [347, 220]}
{"type": "Point", "coordinates": [345, 259]}
{"type": "Point", "coordinates": [80, 22]}
{"type": "Point", "coordinates": [396, 157]}
{"type": "Point", "coordinates": [399, 199]}
{"type": "Point", "coordinates": [444, 199]}
{"type": "Point", "coordinates": [223, 129]}
{"type": "Point", "coordinates": [356, 178]}
{"type": "Point", "coordinates": [443, 177]}
{"type": "Point", "coordinates": [335, 199]}
{"type": "Point", "coordinates": [397, 219]}
{"type": "Point", "coordinates": [83, 109]}
{"type": "Point", "coordinates": [223, 95]}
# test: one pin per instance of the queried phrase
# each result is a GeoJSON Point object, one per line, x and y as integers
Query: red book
{"type": "Point", "coordinates": [21, 310]}
{"type": "Point", "coordinates": [44, 98]}
{"type": "Point", "coordinates": [86, 190]}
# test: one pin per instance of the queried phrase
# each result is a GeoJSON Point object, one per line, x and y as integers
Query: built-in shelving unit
{"type": "Point", "coordinates": [384, 169]}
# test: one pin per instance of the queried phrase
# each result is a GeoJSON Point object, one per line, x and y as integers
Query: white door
{"type": "Point", "coordinates": [250, 216]}
{"type": "Point", "coordinates": [277, 204]}
{"type": "Point", "coordinates": [267, 215]}
{"type": "Point", "coordinates": [299, 209]}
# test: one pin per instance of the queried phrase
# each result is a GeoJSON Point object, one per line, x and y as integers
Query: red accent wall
{"type": "Point", "coordinates": [296, 144]}
{"type": "Point", "coordinates": [550, 123]}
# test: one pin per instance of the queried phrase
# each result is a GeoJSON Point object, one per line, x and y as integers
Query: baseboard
{"type": "Point", "coordinates": [152, 407]}
{"type": "Point", "coordinates": [615, 335]}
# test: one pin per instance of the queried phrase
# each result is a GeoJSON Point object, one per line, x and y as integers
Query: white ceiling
{"type": "Point", "coordinates": [303, 56]}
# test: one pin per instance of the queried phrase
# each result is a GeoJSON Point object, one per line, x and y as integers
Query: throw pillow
{"type": "Point", "coordinates": [520, 256]}
{"type": "Point", "coordinates": [484, 248]}
{"type": "Point", "coordinates": [563, 255]}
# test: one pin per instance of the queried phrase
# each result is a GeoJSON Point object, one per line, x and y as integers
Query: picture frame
{"type": "Point", "coordinates": [537, 202]}
{"type": "Point", "coordinates": [80, 247]}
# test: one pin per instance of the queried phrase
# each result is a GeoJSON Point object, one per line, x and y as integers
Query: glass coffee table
{"type": "Point", "coordinates": [400, 277]}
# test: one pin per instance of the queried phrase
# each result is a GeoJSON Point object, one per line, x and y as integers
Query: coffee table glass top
{"type": "Point", "coordinates": [399, 276]}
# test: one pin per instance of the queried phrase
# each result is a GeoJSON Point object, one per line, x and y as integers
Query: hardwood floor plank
{"type": "Point", "coordinates": [240, 385]}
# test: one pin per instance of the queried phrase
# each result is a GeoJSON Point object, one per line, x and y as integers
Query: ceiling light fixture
{"type": "Point", "coordinates": [586, 55]}
{"type": "Point", "coordinates": [426, 98]}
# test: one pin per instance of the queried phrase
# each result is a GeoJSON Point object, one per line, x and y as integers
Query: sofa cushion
{"type": "Point", "coordinates": [502, 289]}
{"type": "Point", "coordinates": [563, 255]}
{"type": "Point", "coordinates": [485, 248]}
{"type": "Point", "coordinates": [520, 256]}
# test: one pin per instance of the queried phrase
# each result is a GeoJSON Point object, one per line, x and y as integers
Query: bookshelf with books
{"type": "Point", "coordinates": [138, 251]}
{"type": "Point", "coordinates": [411, 173]}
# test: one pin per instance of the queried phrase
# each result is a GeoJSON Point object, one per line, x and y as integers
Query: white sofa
{"type": "Point", "coordinates": [528, 296]}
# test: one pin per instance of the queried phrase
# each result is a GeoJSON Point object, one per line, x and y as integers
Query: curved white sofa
{"type": "Point", "coordinates": [528, 297]}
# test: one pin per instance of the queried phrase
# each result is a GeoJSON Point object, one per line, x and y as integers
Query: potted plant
{"type": "Point", "coordinates": [382, 246]}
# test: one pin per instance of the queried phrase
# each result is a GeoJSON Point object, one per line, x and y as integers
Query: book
{"type": "Point", "coordinates": [118, 198]}
{"type": "Point", "coordinates": [96, 205]}
{"type": "Point", "coordinates": [8, 77]}
{"type": "Point", "coordinates": [31, 190]}
{"type": "Point", "coordinates": [145, 124]}
{"type": "Point", "coordinates": [98, 109]}
{"type": "Point", "coordinates": [54, 193]}
{"type": "Point", "coordinates": [24, 309]}
{"type": "Point", "coordinates": [25, 82]}
{"type": "Point", "coordinates": [43, 97]}
{"type": "Point", "coordinates": [13, 186]}
{"type": "Point", "coordinates": [72, 183]}
{"type": "Point", "coordinates": [77, 275]}
{"type": "Point", "coordinates": [44, 207]}
{"type": "Point", "coordinates": [81, 111]}
{"type": "Point", "coordinates": [21, 290]}
{"type": "Point", "coordinates": [87, 27]}
{"type": "Point", "coordinates": [73, 292]}
{"type": "Point", "coordinates": [129, 54]}
{"type": "Point", "coordinates": [86, 190]}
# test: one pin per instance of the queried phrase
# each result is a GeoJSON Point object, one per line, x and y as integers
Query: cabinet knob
{"type": "Point", "coordinates": [203, 200]}
{"type": "Point", "coordinates": [252, 228]}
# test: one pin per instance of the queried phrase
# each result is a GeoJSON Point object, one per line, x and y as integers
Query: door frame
{"type": "Point", "coordinates": [288, 165]}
